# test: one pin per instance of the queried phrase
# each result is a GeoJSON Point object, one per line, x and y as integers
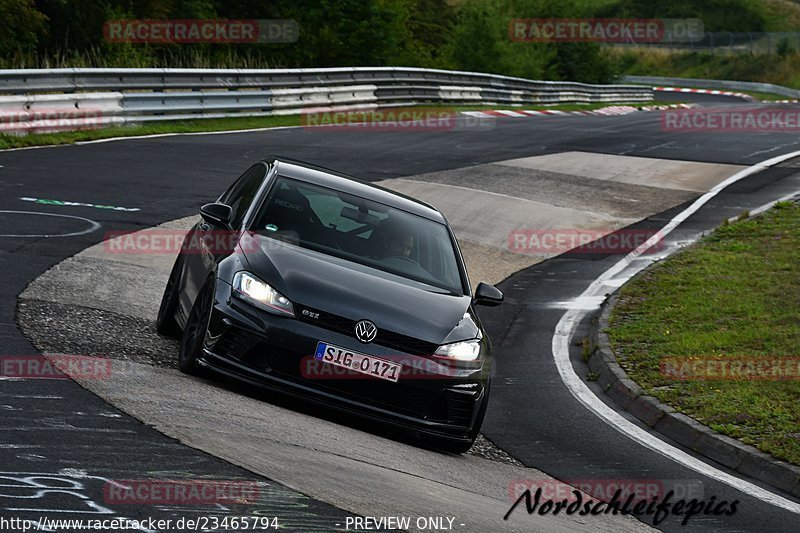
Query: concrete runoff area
{"type": "Point", "coordinates": [308, 453]}
{"type": "Point", "coordinates": [557, 193]}
{"type": "Point", "coordinates": [559, 189]}
{"type": "Point", "coordinates": [489, 218]}
{"type": "Point", "coordinates": [335, 463]}
{"type": "Point", "coordinates": [662, 173]}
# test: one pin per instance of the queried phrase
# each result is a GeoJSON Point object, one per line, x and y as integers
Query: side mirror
{"type": "Point", "coordinates": [216, 214]}
{"type": "Point", "coordinates": [488, 295]}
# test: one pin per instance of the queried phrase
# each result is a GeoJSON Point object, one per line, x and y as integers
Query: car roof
{"type": "Point", "coordinates": [300, 170]}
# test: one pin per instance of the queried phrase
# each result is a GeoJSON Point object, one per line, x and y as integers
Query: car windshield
{"type": "Point", "coordinates": [360, 230]}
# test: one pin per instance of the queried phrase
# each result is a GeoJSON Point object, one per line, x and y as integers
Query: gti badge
{"type": "Point", "coordinates": [366, 331]}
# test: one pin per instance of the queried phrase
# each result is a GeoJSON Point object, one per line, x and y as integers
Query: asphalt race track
{"type": "Point", "coordinates": [58, 437]}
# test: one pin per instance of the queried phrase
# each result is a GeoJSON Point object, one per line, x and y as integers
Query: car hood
{"type": "Point", "coordinates": [356, 292]}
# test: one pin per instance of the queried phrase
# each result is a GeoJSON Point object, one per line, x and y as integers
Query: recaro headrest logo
{"type": "Point", "coordinates": [289, 205]}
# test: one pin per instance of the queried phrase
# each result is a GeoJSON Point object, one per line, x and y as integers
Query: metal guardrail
{"type": "Point", "coordinates": [726, 42]}
{"type": "Point", "coordinates": [715, 84]}
{"type": "Point", "coordinates": [137, 95]}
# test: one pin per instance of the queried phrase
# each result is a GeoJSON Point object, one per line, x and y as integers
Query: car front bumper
{"type": "Point", "coordinates": [276, 352]}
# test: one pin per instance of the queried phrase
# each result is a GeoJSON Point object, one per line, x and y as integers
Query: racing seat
{"type": "Point", "coordinates": [289, 216]}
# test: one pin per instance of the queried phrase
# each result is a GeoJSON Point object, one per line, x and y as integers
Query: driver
{"type": "Point", "coordinates": [397, 240]}
{"type": "Point", "coordinates": [399, 245]}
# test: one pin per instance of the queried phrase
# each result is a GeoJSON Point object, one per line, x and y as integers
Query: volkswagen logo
{"type": "Point", "coordinates": [366, 331]}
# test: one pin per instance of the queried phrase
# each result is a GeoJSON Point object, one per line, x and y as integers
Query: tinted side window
{"type": "Point", "coordinates": [241, 194]}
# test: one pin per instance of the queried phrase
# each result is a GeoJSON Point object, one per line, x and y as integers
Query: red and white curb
{"type": "Point", "coordinates": [705, 91]}
{"type": "Point", "coordinates": [604, 111]}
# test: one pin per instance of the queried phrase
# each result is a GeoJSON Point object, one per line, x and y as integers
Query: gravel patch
{"type": "Point", "coordinates": [486, 449]}
{"type": "Point", "coordinates": [72, 329]}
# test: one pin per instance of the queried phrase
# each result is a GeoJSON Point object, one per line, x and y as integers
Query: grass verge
{"type": "Point", "coordinates": [761, 97]}
{"type": "Point", "coordinates": [229, 124]}
{"type": "Point", "coordinates": [733, 295]}
{"type": "Point", "coordinates": [776, 69]}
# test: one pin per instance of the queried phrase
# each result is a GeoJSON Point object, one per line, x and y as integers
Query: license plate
{"type": "Point", "coordinates": [358, 362]}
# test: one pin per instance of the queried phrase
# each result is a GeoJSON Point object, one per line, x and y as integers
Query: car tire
{"type": "Point", "coordinates": [194, 333]}
{"type": "Point", "coordinates": [166, 324]}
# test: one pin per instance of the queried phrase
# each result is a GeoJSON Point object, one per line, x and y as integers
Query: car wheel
{"type": "Point", "coordinates": [166, 324]}
{"type": "Point", "coordinates": [194, 333]}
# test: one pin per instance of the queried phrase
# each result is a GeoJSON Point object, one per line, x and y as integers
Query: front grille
{"type": "Point", "coordinates": [407, 400]}
{"type": "Point", "coordinates": [387, 338]}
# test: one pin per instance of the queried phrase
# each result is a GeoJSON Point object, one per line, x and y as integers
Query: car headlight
{"type": "Point", "coordinates": [461, 351]}
{"type": "Point", "coordinates": [252, 290]}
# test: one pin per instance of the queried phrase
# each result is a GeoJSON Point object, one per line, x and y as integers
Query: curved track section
{"type": "Point", "coordinates": [533, 416]}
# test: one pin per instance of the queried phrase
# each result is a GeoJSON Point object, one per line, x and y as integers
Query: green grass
{"type": "Point", "coordinates": [775, 69]}
{"type": "Point", "coordinates": [227, 124]}
{"type": "Point", "coordinates": [765, 97]}
{"type": "Point", "coordinates": [781, 15]}
{"type": "Point", "coordinates": [188, 126]}
{"type": "Point", "coordinates": [761, 97]}
{"type": "Point", "coordinates": [780, 67]}
{"type": "Point", "coordinates": [735, 294]}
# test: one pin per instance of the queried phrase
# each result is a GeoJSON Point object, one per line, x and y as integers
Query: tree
{"type": "Point", "coordinates": [23, 27]}
{"type": "Point", "coordinates": [481, 42]}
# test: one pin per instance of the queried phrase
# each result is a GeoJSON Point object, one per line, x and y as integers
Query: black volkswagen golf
{"type": "Point", "coordinates": [305, 280]}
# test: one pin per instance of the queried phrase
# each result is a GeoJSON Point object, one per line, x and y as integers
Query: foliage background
{"type": "Point", "coordinates": [454, 34]}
